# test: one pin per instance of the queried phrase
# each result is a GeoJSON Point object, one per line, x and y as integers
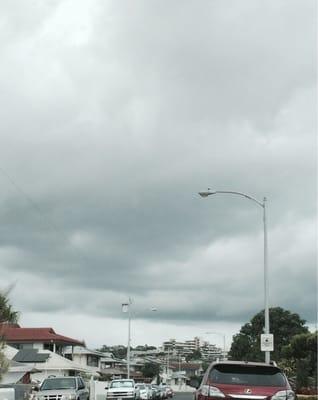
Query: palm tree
{"type": "Point", "coordinates": [7, 315]}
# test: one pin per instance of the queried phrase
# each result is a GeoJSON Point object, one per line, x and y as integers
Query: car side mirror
{"type": "Point", "coordinates": [35, 388]}
{"type": "Point", "coordinates": [106, 387]}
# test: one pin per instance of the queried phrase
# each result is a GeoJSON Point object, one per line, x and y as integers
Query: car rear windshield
{"type": "Point", "coordinates": [119, 384]}
{"type": "Point", "coordinates": [247, 375]}
{"type": "Point", "coordinates": [58, 383]}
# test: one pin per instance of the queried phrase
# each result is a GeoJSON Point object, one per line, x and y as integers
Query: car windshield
{"type": "Point", "coordinates": [247, 375]}
{"type": "Point", "coordinates": [118, 384]}
{"type": "Point", "coordinates": [141, 387]}
{"type": "Point", "coordinates": [58, 383]}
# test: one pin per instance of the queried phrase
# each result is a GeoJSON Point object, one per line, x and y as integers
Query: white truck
{"type": "Point", "coordinates": [122, 389]}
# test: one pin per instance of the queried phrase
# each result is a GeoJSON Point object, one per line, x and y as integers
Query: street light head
{"type": "Point", "coordinates": [125, 307]}
{"type": "Point", "coordinates": [207, 193]}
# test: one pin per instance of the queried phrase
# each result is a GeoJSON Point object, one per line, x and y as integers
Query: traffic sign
{"type": "Point", "coordinates": [267, 342]}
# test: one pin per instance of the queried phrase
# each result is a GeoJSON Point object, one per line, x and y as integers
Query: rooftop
{"type": "Point", "coordinates": [16, 334]}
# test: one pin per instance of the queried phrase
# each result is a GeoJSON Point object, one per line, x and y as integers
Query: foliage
{"type": "Point", "coordinates": [301, 354]}
{"type": "Point", "coordinates": [149, 370]}
{"type": "Point", "coordinates": [7, 315]}
{"type": "Point", "coordinates": [145, 347]}
{"type": "Point", "coordinates": [118, 351]}
{"type": "Point", "coordinates": [205, 365]}
{"type": "Point", "coordinates": [283, 324]}
{"type": "Point", "coordinates": [195, 355]}
{"type": "Point", "coordinates": [3, 361]}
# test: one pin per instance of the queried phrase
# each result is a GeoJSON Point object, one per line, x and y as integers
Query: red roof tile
{"type": "Point", "coordinates": [15, 334]}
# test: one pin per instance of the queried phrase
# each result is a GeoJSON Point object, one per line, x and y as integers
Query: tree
{"type": "Point", "coordinates": [7, 315]}
{"type": "Point", "coordinates": [195, 355]}
{"type": "Point", "coordinates": [149, 370]}
{"type": "Point", "coordinates": [118, 351]}
{"type": "Point", "coordinates": [283, 324]}
{"type": "Point", "coordinates": [300, 358]}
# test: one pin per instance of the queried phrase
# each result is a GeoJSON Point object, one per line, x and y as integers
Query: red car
{"type": "Point", "coordinates": [239, 380]}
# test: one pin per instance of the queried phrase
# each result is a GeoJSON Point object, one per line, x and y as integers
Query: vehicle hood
{"type": "Point", "coordinates": [55, 392]}
{"type": "Point", "coordinates": [248, 391]}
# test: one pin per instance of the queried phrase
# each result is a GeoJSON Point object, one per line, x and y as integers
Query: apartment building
{"type": "Point", "coordinates": [208, 350]}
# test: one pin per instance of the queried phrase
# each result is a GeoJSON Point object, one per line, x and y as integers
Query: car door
{"type": "Point", "coordinates": [82, 391]}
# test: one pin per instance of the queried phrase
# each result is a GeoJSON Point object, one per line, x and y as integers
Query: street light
{"type": "Point", "coordinates": [126, 308]}
{"type": "Point", "coordinates": [263, 205]}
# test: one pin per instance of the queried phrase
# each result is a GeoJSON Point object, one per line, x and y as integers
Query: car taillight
{"type": "Point", "coordinates": [284, 395]}
{"type": "Point", "coordinates": [211, 391]}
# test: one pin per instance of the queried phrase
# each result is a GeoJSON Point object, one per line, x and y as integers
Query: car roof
{"type": "Point", "coordinates": [123, 380]}
{"type": "Point", "coordinates": [245, 363]}
{"type": "Point", "coordinates": [62, 377]}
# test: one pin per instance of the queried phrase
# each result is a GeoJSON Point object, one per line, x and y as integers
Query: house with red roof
{"type": "Point", "coordinates": [36, 338]}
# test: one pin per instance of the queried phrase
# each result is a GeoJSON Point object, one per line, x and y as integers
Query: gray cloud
{"type": "Point", "coordinates": [114, 117]}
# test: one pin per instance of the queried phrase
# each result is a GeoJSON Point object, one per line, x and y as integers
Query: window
{"type": "Point", "coordinates": [247, 375]}
{"type": "Point", "coordinates": [118, 384]}
{"type": "Point", "coordinates": [81, 384]}
{"type": "Point", "coordinates": [58, 383]}
{"type": "Point", "coordinates": [92, 361]}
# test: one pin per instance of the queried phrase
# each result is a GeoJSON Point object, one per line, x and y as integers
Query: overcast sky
{"type": "Point", "coordinates": [113, 116]}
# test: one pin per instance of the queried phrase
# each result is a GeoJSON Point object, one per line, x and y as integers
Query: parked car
{"type": "Point", "coordinates": [169, 392]}
{"type": "Point", "coordinates": [243, 380]}
{"type": "Point", "coordinates": [163, 394]}
{"type": "Point", "coordinates": [122, 389]}
{"type": "Point", "coordinates": [71, 388]}
{"type": "Point", "coordinates": [152, 391]}
{"type": "Point", "coordinates": [156, 392]}
{"type": "Point", "coordinates": [144, 393]}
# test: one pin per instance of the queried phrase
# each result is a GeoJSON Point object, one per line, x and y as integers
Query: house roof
{"type": "Point", "coordinates": [57, 362]}
{"type": "Point", "coordinates": [83, 350]}
{"type": "Point", "coordinates": [16, 371]}
{"type": "Point", "coordinates": [30, 356]}
{"type": "Point", "coordinates": [15, 334]}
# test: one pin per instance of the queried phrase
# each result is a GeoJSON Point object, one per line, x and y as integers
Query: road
{"type": "Point", "coordinates": [183, 396]}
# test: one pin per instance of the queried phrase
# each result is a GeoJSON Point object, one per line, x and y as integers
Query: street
{"type": "Point", "coordinates": [183, 396]}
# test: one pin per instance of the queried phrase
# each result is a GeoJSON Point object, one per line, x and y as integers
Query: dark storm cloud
{"type": "Point", "coordinates": [116, 115]}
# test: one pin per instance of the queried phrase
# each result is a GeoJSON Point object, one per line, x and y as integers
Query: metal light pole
{"type": "Point", "coordinates": [126, 308]}
{"type": "Point", "coordinates": [263, 205]}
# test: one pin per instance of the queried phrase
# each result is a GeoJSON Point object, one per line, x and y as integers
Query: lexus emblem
{"type": "Point", "coordinates": [247, 391]}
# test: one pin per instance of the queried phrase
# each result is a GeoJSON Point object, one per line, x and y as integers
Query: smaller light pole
{"type": "Point", "coordinates": [126, 309]}
{"type": "Point", "coordinates": [179, 371]}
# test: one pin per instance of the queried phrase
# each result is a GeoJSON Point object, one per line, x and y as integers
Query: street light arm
{"type": "Point", "coordinates": [209, 193]}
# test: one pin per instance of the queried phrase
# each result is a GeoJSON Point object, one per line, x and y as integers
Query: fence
{"type": "Point", "coordinates": [15, 392]}
{"type": "Point", "coordinates": [97, 390]}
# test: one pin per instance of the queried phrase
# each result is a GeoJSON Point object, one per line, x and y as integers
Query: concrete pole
{"type": "Point", "coordinates": [267, 328]}
{"type": "Point", "coordinates": [129, 339]}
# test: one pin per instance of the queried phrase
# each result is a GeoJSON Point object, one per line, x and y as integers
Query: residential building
{"type": "Point", "coordinates": [44, 363]}
{"type": "Point", "coordinates": [173, 348]}
{"type": "Point", "coordinates": [89, 359]}
{"type": "Point", "coordinates": [36, 338]}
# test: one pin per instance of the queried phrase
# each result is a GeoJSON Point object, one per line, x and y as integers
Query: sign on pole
{"type": "Point", "coordinates": [267, 342]}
